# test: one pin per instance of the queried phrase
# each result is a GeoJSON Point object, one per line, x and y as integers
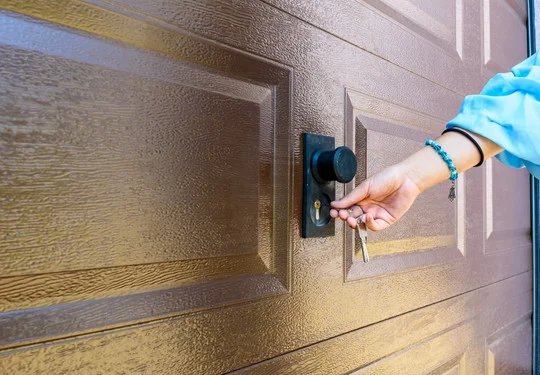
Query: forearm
{"type": "Point", "coordinates": [426, 168]}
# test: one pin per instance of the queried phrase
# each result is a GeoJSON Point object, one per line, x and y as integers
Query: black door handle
{"type": "Point", "coordinates": [335, 165]}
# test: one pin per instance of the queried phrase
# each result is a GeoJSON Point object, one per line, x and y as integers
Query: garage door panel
{"type": "Point", "coordinates": [509, 350]}
{"type": "Point", "coordinates": [187, 120]}
{"type": "Point", "coordinates": [127, 197]}
{"type": "Point", "coordinates": [383, 134]}
{"type": "Point", "coordinates": [443, 37]}
{"type": "Point", "coordinates": [507, 222]}
{"type": "Point", "coordinates": [449, 338]}
{"type": "Point", "coordinates": [504, 35]}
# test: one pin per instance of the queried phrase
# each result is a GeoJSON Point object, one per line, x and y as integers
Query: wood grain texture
{"type": "Point", "coordinates": [444, 37]}
{"type": "Point", "coordinates": [109, 163]}
{"type": "Point", "coordinates": [431, 340]}
{"type": "Point", "coordinates": [440, 333]}
{"type": "Point", "coordinates": [506, 231]}
{"type": "Point", "coordinates": [504, 24]}
{"type": "Point", "coordinates": [33, 325]}
{"type": "Point", "coordinates": [31, 291]}
{"type": "Point", "coordinates": [509, 349]}
{"type": "Point", "coordinates": [105, 178]}
{"type": "Point", "coordinates": [274, 75]}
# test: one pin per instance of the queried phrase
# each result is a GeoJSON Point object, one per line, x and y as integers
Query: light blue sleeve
{"type": "Point", "coordinates": [507, 111]}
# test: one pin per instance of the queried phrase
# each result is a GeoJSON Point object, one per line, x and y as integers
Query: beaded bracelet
{"type": "Point", "coordinates": [453, 171]}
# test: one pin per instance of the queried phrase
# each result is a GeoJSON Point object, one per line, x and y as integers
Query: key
{"type": "Point", "coordinates": [362, 233]}
{"type": "Point", "coordinates": [317, 205]}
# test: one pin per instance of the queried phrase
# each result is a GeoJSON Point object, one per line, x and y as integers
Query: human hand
{"type": "Point", "coordinates": [384, 199]}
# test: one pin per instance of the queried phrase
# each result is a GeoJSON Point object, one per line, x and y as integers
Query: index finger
{"type": "Point", "coordinates": [358, 194]}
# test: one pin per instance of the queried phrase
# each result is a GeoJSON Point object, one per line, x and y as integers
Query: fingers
{"type": "Point", "coordinates": [351, 221]}
{"type": "Point", "coordinates": [341, 214]}
{"type": "Point", "coordinates": [350, 216]}
{"type": "Point", "coordinates": [353, 216]}
{"type": "Point", "coordinates": [359, 193]}
{"type": "Point", "coordinates": [371, 223]}
{"type": "Point", "coordinates": [344, 214]}
{"type": "Point", "coordinates": [375, 224]}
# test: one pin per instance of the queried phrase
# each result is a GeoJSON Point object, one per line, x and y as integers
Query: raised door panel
{"type": "Point", "coordinates": [456, 336]}
{"type": "Point", "coordinates": [441, 23]}
{"type": "Point", "coordinates": [136, 184]}
{"type": "Point", "coordinates": [437, 40]}
{"type": "Point", "coordinates": [504, 35]}
{"type": "Point", "coordinates": [506, 217]}
{"type": "Point", "coordinates": [448, 336]}
{"type": "Point", "coordinates": [509, 350]}
{"type": "Point", "coordinates": [382, 134]}
{"type": "Point", "coordinates": [507, 221]}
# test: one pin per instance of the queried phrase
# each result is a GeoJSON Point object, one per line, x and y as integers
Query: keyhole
{"type": "Point", "coordinates": [319, 210]}
{"type": "Point", "coordinates": [317, 205]}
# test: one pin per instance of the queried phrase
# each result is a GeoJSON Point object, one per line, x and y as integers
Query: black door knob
{"type": "Point", "coordinates": [335, 165]}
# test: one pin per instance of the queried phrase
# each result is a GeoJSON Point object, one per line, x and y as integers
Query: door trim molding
{"type": "Point", "coordinates": [535, 215]}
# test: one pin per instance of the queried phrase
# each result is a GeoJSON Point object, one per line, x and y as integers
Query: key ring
{"type": "Point", "coordinates": [356, 215]}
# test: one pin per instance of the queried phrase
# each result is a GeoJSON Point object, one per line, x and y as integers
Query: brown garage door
{"type": "Point", "coordinates": [151, 189]}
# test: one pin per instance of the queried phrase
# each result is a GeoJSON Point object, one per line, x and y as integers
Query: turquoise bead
{"type": "Point", "coordinates": [437, 147]}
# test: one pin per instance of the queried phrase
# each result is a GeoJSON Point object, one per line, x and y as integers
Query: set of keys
{"type": "Point", "coordinates": [362, 233]}
{"type": "Point", "coordinates": [361, 229]}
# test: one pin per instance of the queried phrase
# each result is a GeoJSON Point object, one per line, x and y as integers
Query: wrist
{"type": "Point", "coordinates": [413, 174]}
{"type": "Point", "coordinates": [425, 168]}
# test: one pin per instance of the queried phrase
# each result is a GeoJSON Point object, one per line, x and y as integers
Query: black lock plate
{"type": "Point", "coordinates": [325, 192]}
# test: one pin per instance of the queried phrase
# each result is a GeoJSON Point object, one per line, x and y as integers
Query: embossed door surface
{"type": "Point", "coordinates": [151, 189]}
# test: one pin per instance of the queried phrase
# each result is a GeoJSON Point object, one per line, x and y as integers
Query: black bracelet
{"type": "Point", "coordinates": [462, 132]}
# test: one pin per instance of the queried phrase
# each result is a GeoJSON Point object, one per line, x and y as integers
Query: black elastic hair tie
{"type": "Point", "coordinates": [464, 133]}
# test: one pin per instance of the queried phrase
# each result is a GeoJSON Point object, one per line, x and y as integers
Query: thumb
{"type": "Point", "coordinates": [358, 194]}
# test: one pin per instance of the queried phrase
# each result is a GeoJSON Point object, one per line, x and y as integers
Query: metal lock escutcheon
{"type": "Point", "coordinates": [323, 166]}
